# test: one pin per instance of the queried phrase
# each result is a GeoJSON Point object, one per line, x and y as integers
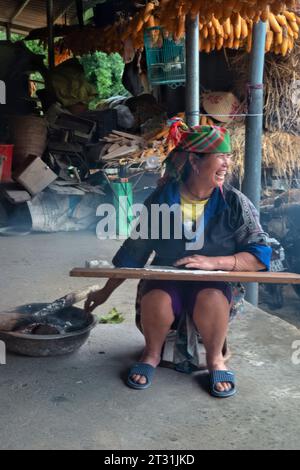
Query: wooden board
{"type": "Point", "coordinates": [187, 275]}
{"type": "Point", "coordinates": [137, 138]}
{"type": "Point", "coordinates": [14, 193]}
{"type": "Point", "coordinates": [120, 152]}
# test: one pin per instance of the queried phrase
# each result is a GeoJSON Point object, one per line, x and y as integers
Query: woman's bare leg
{"type": "Point", "coordinates": [157, 317]}
{"type": "Point", "coordinates": [211, 317]}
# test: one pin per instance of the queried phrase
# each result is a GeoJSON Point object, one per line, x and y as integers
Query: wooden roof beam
{"type": "Point", "coordinates": [19, 10]}
{"type": "Point", "coordinates": [79, 9]}
{"type": "Point", "coordinates": [63, 11]}
{"type": "Point", "coordinates": [16, 27]}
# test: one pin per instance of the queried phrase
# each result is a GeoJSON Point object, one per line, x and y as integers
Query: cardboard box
{"type": "Point", "coordinates": [34, 175]}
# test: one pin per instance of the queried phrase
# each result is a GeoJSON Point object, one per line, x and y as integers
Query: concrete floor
{"type": "Point", "coordinates": [80, 402]}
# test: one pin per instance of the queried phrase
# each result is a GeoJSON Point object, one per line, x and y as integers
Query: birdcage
{"type": "Point", "coordinates": [165, 58]}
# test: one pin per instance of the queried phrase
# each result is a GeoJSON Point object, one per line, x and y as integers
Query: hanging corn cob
{"type": "Point", "coordinates": [222, 24]}
{"type": "Point", "coordinates": [223, 9]}
{"type": "Point", "coordinates": [236, 32]}
{"type": "Point", "coordinates": [61, 56]}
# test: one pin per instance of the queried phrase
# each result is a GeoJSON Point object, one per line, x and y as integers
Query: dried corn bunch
{"type": "Point", "coordinates": [236, 33]}
{"type": "Point", "coordinates": [61, 56]}
{"type": "Point", "coordinates": [93, 39]}
{"type": "Point", "coordinates": [116, 35]}
{"type": "Point", "coordinates": [216, 31]}
{"type": "Point", "coordinates": [111, 38]}
{"type": "Point", "coordinates": [282, 32]}
{"type": "Point", "coordinates": [172, 18]}
{"type": "Point", "coordinates": [223, 9]}
{"type": "Point", "coordinates": [136, 26]}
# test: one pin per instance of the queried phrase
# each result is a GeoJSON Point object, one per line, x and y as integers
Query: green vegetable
{"type": "Point", "coordinates": [113, 317]}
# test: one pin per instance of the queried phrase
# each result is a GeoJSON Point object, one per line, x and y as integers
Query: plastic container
{"type": "Point", "coordinates": [123, 200]}
{"type": "Point", "coordinates": [6, 155]}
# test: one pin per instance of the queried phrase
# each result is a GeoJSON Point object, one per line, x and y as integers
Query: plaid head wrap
{"type": "Point", "coordinates": [198, 139]}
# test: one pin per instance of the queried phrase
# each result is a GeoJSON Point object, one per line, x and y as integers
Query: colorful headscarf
{"type": "Point", "coordinates": [186, 140]}
{"type": "Point", "coordinates": [199, 139]}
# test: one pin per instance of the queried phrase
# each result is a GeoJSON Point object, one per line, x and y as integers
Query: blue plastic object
{"type": "Point", "coordinates": [217, 376]}
{"type": "Point", "coordinates": [143, 369]}
{"type": "Point", "coordinates": [165, 58]}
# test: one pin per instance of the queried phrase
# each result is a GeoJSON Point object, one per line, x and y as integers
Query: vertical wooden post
{"type": "Point", "coordinates": [50, 25]}
{"type": "Point", "coordinates": [8, 31]}
{"type": "Point", "coordinates": [79, 9]}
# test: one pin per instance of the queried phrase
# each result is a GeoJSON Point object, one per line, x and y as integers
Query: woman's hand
{"type": "Point", "coordinates": [95, 299]}
{"type": "Point", "coordinates": [197, 262]}
{"type": "Point", "coordinates": [99, 297]}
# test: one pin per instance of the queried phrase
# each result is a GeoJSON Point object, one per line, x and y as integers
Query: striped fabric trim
{"type": "Point", "coordinates": [205, 139]}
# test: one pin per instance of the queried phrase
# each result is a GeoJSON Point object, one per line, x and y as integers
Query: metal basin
{"type": "Point", "coordinates": [74, 327]}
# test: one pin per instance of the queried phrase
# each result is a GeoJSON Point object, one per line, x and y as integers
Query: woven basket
{"type": "Point", "coordinates": [29, 135]}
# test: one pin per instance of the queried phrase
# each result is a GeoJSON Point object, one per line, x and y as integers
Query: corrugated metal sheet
{"type": "Point", "coordinates": [34, 14]}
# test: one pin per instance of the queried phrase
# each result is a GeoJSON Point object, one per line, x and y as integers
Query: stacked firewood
{"type": "Point", "coordinates": [120, 146]}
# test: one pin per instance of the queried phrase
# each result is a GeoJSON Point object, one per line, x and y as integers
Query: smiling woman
{"type": "Point", "coordinates": [227, 225]}
{"type": "Point", "coordinates": [209, 167]}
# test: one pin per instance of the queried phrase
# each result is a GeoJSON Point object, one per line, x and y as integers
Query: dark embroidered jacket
{"type": "Point", "coordinates": [231, 225]}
